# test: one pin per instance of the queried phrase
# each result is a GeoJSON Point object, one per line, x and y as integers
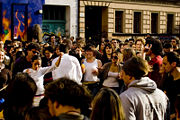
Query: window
{"type": "Point", "coordinates": [53, 12]}
{"type": "Point", "coordinates": [170, 21]}
{"type": "Point", "coordinates": [119, 21]}
{"type": "Point", "coordinates": [137, 22]}
{"type": "Point", "coordinates": [154, 22]}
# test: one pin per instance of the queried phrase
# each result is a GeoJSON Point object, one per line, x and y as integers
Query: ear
{"type": "Point", "coordinates": [173, 64]}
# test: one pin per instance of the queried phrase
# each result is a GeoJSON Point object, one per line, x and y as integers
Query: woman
{"type": "Point", "coordinates": [37, 73]}
{"type": "Point", "coordinates": [107, 106]}
{"type": "Point", "coordinates": [46, 61]}
{"type": "Point", "coordinates": [90, 71]}
{"type": "Point", "coordinates": [107, 53]}
{"type": "Point", "coordinates": [109, 73]}
{"type": "Point", "coordinates": [102, 46]}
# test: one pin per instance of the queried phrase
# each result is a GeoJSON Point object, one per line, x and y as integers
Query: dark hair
{"type": "Point", "coordinates": [66, 45]}
{"type": "Point", "coordinates": [173, 57]}
{"type": "Point", "coordinates": [107, 106]}
{"type": "Point", "coordinates": [157, 47]}
{"type": "Point", "coordinates": [33, 45]}
{"type": "Point", "coordinates": [49, 48]}
{"type": "Point", "coordinates": [136, 67]}
{"type": "Point", "coordinates": [168, 45]}
{"type": "Point", "coordinates": [37, 113]}
{"type": "Point", "coordinates": [35, 57]}
{"type": "Point", "coordinates": [19, 97]}
{"type": "Point", "coordinates": [68, 92]}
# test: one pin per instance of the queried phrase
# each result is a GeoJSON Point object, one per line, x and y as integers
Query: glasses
{"type": "Point", "coordinates": [114, 57]}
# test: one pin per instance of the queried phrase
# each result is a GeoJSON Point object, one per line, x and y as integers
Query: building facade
{"type": "Point", "coordinates": [61, 17]}
{"type": "Point", "coordinates": [120, 19]}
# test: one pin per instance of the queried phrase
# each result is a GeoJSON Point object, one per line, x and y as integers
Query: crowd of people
{"type": "Point", "coordinates": [74, 79]}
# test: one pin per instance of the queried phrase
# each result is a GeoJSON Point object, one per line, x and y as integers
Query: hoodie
{"type": "Point", "coordinates": [144, 101]}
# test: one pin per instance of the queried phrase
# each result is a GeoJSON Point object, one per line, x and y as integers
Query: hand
{"type": "Point", "coordinates": [61, 54]}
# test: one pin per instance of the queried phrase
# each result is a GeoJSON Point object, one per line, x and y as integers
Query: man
{"type": "Point", "coordinates": [115, 44]}
{"type": "Point", "coordinates": [140, 42]}
{"type": "Point", "coordinates": [25, 62]}
{"type": "Point", "coordinates": [168, 47]}
{"type": "Point", "coordinates": [67, 100]}
{"type": "Point", "coordinates": [175, 43]}
{"type": "Point", "coordinates": [142, 100]}
{"type": "Point", "coordinates": [69, 66]}
{"type": "Point", "coordinates": [171, 66]}
{"type": "Point", "coordinates": [154, 51]}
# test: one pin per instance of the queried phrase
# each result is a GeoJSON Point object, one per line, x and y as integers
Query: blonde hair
{"type": "Point", "coordinates": [140, 39]}
{"type": "Point", "coordinates": [107, 106]}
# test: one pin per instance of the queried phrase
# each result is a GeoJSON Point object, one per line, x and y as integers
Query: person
{"type": "Point", "coordinates": [110, 73]}
{"type": "Point", "coordinates": [168, 47]}
{"type": "Point", "coordinates": [25, 62]}
{"type": "Point", "coordinates": [175, 43]}
{"type": "Point", "coordinates": [37, 73]}
{"type": "Point", "coordinates": [19, 97]}
{"type": "Point", "coordinates": [115, 44]}
{"type": "Point", "coordinates": [90, 71]}
{"type": "Point", "coordinates": [107, 53]}
{"type": "Point", "coordinates": [154, 51]}
{"type": "Point", "coordinates": [107, 106]}
{"type": "Point", "coordinates": [177, 107]}
{"type": "Point", "coordinates": [142, 100]}
{"type": "Point", "coordinates": [171, 67]}
{"type": "Point", "coordinates": [5, 78]}
{"type": "Point", "coordinates": [140, 42]}
{"type": "Point", "coordinates": [69, 66]}
{"type": "Point", "coordinates": [67, 100]}
{"type": "Point", "coordinates": [46, 61]}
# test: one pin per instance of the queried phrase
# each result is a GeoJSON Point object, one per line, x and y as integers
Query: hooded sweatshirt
{"type": "Point", "coordinates": [144, 101]}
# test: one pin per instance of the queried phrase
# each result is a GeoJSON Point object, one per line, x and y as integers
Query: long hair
{"type": "Point", "coordinates": [107, 106]}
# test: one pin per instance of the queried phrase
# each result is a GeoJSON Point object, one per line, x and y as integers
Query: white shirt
{"type": "Point", "coordinates": [111, 80]}
{"type": "Point", "coordinates": [69, 67]}
{"type": "Point", "coordinates": [89, 68]}
{"type": "Point", "coordinates": [38, 75]}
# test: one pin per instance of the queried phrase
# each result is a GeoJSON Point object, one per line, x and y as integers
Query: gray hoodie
{"type": "Point", "coordinates": [144, 101]}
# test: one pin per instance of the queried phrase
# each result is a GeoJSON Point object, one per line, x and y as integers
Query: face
{"type": "Point", "coordinates": [102, 46]}
{"type": "Point", "coordinates": [1, 56]}
{"type": "Point", "coordinates": [89, 54]}
{"type": "Point", "coordinates": [114, 58]}
{"type": "Point", "coordinates": [126, 78]}
{"type": "Point", "coordinates": [53, 39]}
{"type": "Point", "coordinates": [114, 42]}
{"type": "Point", "coordinates": [36, 64]}
{"type": "Point", "coordinates": [108, 50]}
{"type": "Point", "coordinates": [32, 52]}
{"type": "Point", "coordinates": [139, 45]}
{"type": "Point", "coordinates": [51, 108]}
{"type": "Point", "coordinates": [167, 67]}
{"type": "Point", "coordinates": [57, 51]}
{"type": "Point", "coordinates": [173, 42]}
{"type": "Point", "coordinates": [48, 54]}
{"type": "Point", "coordinates": [78, 50]}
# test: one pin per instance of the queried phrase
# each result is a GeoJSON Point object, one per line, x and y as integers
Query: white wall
{"type": "Point", "coordinates": [73, 11]}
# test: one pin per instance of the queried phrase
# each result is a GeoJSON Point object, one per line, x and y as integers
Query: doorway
{"type": "Point", "coordinates": [96, 20]}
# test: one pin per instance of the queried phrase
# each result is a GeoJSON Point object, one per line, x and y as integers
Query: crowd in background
{"type": "Point", "coordinates": [75, 79]}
